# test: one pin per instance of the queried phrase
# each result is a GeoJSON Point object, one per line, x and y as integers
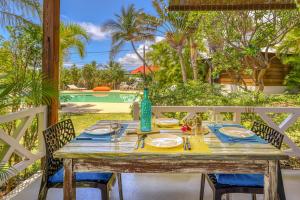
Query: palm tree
{"type": "Point", "coordinates": [13, 12]}
{"type": "Point", "coordinates": [129, 26]}
{"type": "Point", "coordinates": [116, 72]}
{"type": "Point", "coordinates": [177, 30]}
{"type": "Point", "coordinates": [72, 36]}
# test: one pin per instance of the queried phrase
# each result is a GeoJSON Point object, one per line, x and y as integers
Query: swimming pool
{"type": "Point", "coordinates": [98, 97]}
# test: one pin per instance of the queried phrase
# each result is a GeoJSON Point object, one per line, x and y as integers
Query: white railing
{"type": "Point", "coordinates": [237, 111]}
{"type": "Point", "coordinates": [10, 143]}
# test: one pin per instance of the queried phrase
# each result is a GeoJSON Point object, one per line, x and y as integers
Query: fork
{"type": "Point", "coordinates": [138, 143]}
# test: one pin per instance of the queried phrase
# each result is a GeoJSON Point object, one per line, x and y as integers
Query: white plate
{"type": "Point", "coordinates": [99, 131]}
{"type": "Point", "coordinates": [163, 140]}
{"type": "Point", "coordinates": [166, 122]}
{"type": "Point", "coordinates": [236, 132]}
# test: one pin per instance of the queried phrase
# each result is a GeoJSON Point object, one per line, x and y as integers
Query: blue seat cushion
{"type": "Point", "coordinates": [58, 177]}
{"type": "Point", "coordinates": [242, 180]}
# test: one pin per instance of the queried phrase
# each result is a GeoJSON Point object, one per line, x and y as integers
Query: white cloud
{"type": "Point", "coordinates": [96, 32]}
{"type": "Point", "coordinates": [159, 39]}
{"type": "Point", "coordinates": [70, 64]}
{"type": "Point", "coordinates": [131, 59]}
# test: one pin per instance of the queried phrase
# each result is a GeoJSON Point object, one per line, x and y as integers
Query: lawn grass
{"type": "Point", "coordinates": [83, 121]}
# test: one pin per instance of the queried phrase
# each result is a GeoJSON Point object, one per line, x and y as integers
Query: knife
{"type": "Point", "coordinates": [184, 143]}
{"type": "Point", "coordinates": [88, 138]}
{"type": "Point", "coordinates": [188, 144]}
{"type": "Point", "coordinates": [143, 141]}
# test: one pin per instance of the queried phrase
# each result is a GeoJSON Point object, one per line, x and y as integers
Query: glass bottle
{"type": "Point", "coordinates": [146, 113]}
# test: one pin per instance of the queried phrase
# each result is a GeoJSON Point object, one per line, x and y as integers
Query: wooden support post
{"type": "Point", "coordinates": [69, 180]}
{"type": "Point", "coordinates": [51, 25]}
{"type": "Point", "coordinates": [271, 177]}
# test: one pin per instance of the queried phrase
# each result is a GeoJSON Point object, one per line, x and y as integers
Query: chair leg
{"type": "Point", "coordinates": [43, 193]}
{"type": "Point", "coordinates": [217, 196]}
{"type": "Point", "coordinates": [253, 196]}
{"type": "Point", "coordinates": [202, 186]}
{"type": "Point", "coordinates": [43, 188]}
{"type": "Point", "coordinates": [104, 193]}
{"type": "Point", "coordinates": [119, 177]}
{"type": "Point", "coordinates": [280, 187]}
{"type": "Point", "coordinates": [227, 196]}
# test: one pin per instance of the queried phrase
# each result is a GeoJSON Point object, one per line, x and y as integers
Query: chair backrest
{"type": "Point", "coordinates": [269, 134]}
{"type": "Point", "coordinates": [56, 136]}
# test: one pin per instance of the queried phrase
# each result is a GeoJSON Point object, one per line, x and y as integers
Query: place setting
{"type": "Point", "coordinates": [111, 132]}
{"type": "Point", "coordinates": [171, 136]}
{"type": "Point", "coordinates": [233, 133]}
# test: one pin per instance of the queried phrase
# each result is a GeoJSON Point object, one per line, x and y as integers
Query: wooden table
{"type": "Point", "coordinates": [121, 157]}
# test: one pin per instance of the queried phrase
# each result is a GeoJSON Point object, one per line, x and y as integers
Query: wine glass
{"type": "Point", "coordinates": [212, 118]}
{"type": "Point", "coordinates": [114, 126]}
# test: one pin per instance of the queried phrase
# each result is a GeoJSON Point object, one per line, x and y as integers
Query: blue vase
{"type": "Point", "coordinates": [146, 113]}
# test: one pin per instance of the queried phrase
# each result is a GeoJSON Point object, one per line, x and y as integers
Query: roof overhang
{"type": "Point", "coordinates": [214, 5]}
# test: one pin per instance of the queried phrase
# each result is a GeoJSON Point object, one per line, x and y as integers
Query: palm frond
{"type": "Point", "coordinates": [6, 172]}
{"type": "Point", "coordinates": [73, 36]}
{"type": "Point", "coordinates": [14, 12]}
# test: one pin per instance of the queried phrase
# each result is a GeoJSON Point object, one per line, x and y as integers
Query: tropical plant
{"type": "Point", "coordinates": [89, 74]}
{"type": "Point", "coordinates": [251, 36]}
{"type": "Point", "coordinates": [72, 36]}
{"type": "Point", "coordinates": [130, 26]}
{"type": "Point", "coordinates": [6, 172]}
{"type": "Point", "coordinates": [177, 32]}
{"type": "Point", "coordinates": [169, 67]}
{"type": "Point", "coordinates": [115, 73]}
{"type": "Point", "coordinates": [289, 51]}
{"type": "Point", "coordinates": [13, 12]}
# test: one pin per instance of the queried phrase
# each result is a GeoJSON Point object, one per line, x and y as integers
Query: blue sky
{"type": "Point", "coordinates": [91, 14]}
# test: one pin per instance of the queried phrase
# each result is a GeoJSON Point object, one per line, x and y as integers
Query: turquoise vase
{"type": "Point", "coordinates": [146, 113]}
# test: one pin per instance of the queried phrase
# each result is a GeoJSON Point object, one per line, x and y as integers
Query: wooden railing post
{"type": "Point", "coordinates": [51, 27]}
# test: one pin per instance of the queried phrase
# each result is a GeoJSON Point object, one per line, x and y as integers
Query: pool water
{"type": "Point", "coordinates": [96, 97]}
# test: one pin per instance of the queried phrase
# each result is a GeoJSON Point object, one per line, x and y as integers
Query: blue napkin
{"type": "Point", "coordinates": [84, 137]}
{"type": "Point", "coordinates": [227, 139]}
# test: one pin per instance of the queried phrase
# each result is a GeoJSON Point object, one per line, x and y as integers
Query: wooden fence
{"type": "Point", "coordinates": [10, 143]}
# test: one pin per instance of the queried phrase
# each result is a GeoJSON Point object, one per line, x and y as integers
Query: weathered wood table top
{"type": "Point", "coordinates": [122, 157]}
{"type": "Point", "coordinates": [126, 149]}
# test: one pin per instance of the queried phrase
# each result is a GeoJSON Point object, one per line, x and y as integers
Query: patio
{"type": "Point", "coordinates": [179, 185]}
{"type": "Point", "coordinates": [137, 186]}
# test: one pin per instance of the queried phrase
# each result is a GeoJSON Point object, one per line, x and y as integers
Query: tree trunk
{"type": "Point", "coordinates": [260, 80]}
{"type": "Point", "coordinates": [183, 68]}
{"type": "Point", "coordinates": [193, 50]}
{"type": "Point", "coordinates": [140, 57]}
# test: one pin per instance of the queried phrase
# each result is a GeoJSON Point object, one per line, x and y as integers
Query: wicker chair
{"type": "Point", "coordinates": [271, 136]}
{"type": "Point", "coordinates": [56, 137]}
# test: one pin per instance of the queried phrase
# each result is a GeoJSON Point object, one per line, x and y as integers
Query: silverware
{"type": "Point", "coordinates": [189, 147]}
{"type": "Point", "coordinates": [143, 141]}
{"type": "Point", "coordinates": [137, 143]}
{"type": "Point", "coordinates": [88, 138]}
{"type": "Point", "coordinates": [184, 143]}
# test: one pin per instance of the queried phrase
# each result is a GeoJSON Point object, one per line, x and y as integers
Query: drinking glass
{"type": "Point", "coordinates": [114, 126]}
{"type": "Point", "coordinates": [212, 118]}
